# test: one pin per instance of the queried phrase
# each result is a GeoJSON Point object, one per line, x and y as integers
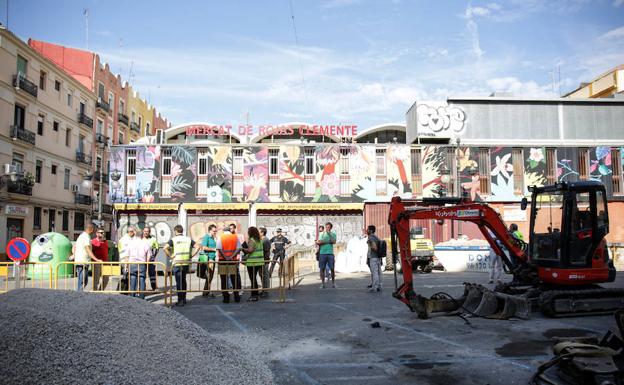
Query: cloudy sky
{"type": "Point", "coordinates": [358, 62]}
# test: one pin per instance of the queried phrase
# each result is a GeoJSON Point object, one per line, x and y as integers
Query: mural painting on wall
{"type": "Point", "coordinates": [218, 174]}
{"type": "Point", "coordinates": [398, 170]}
{"type": "Point", "coordinates": [255, 174]}
{"type": "Point", "coordinates": [147, 181]}
{"type": "Point", "coordinates": [567, 164]}
{"type": "Point", "coordinates": [161, 225]}
{"type": "Point", "coordinates": [183, 173]}
{"type": "Point", "coordinates": [534, 167]}
{"type": "Point", "coordinates": [291, 174]}
{"type": "Point", "coordinates": [327, 176]}
{"type": "Point", "coordinates": [117, 174]}
{"type": "Point", "coordinates": [600, 163]}
{"type": "Point", "coordinates": [433, 159]}
{"type": "Point", "coordinates": [502, 181]}
{"type": "Point", "coordinates": [468, 169]}
{"type": "Point", "coordinates": [198, 224]}
{"type": "Point", "coordinates": [362, 173]}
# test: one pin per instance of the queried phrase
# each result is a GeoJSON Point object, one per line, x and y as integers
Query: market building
{"type": "Point", "coordinates": [298, 175]}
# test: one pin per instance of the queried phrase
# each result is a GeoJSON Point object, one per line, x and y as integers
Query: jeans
{"type": "Point", "coordinates": [151, 269]}
{"type": "Point", "coordinates": [137, 270]}
{"type": "Point", "coordinates": [236, 284]}
{"type": "Point", "coordinates": [266, 278]}
{"type": "Point", "coordinates": [180, 272]}
{"type": "Point", "coordinates": [82, 273]}
{"type": "Point", "coordinates": [375, 268]}
{"type": "Point", "coordinates": [253, 272]}
{"type": "Point", "coordinates": [275, 258]}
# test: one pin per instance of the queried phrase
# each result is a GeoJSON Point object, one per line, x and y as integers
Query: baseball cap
{"type": "Point", "coordinates": [279, 229]}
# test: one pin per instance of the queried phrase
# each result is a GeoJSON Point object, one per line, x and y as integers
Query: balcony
{"type": "Point", "coordinates": [100, 138]}
{"type": "Point", "coordinates": [82, 199]}
{"type": "Point", "coordinates": [84, 119]}
{"type": "Point", "coordinates": [101, 104]}
{"type": "Point", "coordinates": [96, 176]}
{"type": "Point", "coordinates": [19, 184]}
{"type": "Point", "coordinates": [134, 126]}
{"type": "Point", "coordinates": [20, 81]}
{"type": "Point", "coordinates": [83, 158]}
{"type": "Point", "coordinates": [107, 209]}
{"type": "Point", "coordinates": [23, 134]}
{"type": "Point", "coordinates": [122, 118]}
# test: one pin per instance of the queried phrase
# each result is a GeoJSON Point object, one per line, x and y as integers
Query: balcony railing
{"type": "Point", "coordinates": [84, 119]}
{"type": "Point", "coordinates": [20, 81]}
{"type": "Point", "coordinates": [100, 138]}
{"type": "Point", "coordinates": [96, 176]}
{"type": "Point", "coordinates": [83, 158]}
{"type": "Point", "coordinates": [23, 134]}
{"type": "Point", "coordinates": [103, 105]}
{"type": "Point", "coordinates": [122, 118]}
{"type": "Point", "coordinates": [20, 185]}
{"type": "Point", "coordinates": [134, 126]}
{"type": "Point", "coordinates": [82, 199]}
{"type": "Point", "coordinates": [107, 209]}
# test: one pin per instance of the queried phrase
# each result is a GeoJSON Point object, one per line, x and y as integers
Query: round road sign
{"type": "Point", "coordinates": [18, 249]}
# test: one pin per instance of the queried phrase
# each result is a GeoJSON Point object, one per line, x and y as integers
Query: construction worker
{"type": "Point", "coordinates": [254, 260]}
{"type": "Point", "coordinates": [228, 249]}
{"type": "Point", "coordinates": [153, 245]}
{"type": "Point", "coordinates": [180, 249]}
{"type": "Point", "coordinates": [513, 229]}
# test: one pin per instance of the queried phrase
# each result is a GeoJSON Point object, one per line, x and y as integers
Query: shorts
{"type": "Point", "coordinates": [326, 259]}
{"type": "Point", "coordinates": [227, 268]}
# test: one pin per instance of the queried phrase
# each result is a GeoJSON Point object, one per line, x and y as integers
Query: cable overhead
{"type": "Point", "coordinates": [303, 82]}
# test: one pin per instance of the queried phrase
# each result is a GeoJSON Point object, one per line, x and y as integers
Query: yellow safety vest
{"type": "Point", "coordinates": [256, 258]}
{"type": "Point", "coordinates": [181, 249]}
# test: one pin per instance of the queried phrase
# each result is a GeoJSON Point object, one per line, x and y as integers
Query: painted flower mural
{"type": "Point", "coordinates": [600, 163]}
{"type": "Point", "coordinates": [214, 194]}
{"type": "Point", "coordinates": [534, 168]}
{"type": "Point", "coordinates": [502, 184]}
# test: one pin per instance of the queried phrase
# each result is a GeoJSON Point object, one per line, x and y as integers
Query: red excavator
{"type": "Point", "coordinates": [558, 271]}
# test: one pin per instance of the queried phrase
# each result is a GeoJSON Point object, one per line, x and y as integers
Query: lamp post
{"type": "Point", "coordinates": [101, 146]}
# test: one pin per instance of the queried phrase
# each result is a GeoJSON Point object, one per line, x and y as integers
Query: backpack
{"type": "Point", "coordinates": [382, 249]}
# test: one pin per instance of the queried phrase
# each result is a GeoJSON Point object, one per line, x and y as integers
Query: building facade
{"type": "Point", "coordinates": [141, 116]}
{"type": "Point", "coordinates": [46, 145]}
{"type": "Point", "coordinates": [608, 84]}
{"type": "Point", "coordinates": [492, 149]}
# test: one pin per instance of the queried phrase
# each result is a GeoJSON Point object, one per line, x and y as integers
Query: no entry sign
{"type": "Point", "coordinates": [18, 249]}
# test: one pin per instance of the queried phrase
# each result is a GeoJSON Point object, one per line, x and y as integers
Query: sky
{"type": "Point", "coordinates": [362, 62]}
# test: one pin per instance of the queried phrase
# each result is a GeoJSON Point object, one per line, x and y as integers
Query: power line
{"type": "Point", "coordinates": [303, 82]}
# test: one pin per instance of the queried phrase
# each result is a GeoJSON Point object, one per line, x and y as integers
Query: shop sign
{"type": "Point", "coordinates": [309, 206]}
{"type": "Point", "coordinates": [302, 130]}
{"type": "Point", "coordinates": [16, 210]}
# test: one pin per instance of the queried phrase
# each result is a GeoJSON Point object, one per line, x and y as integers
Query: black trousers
{"type": "Point", "coordinates": [236, 282]}
{"type": "Point", "coordinates": [255, 271]}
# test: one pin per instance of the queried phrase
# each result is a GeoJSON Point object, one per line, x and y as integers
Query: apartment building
{"type": "Point", "coordinates": [141, 116]}
{"type": "Point", "coordinates": [607, 85]}
{"type": "Point", "coordinates": [46, 145]}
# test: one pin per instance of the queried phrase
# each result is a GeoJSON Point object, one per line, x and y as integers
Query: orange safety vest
{"type": "Point", "coordinates": [228, 244]}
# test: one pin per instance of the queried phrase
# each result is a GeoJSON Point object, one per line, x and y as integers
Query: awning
{"type": "Point", "coordinates": [310, 206]}
{"type": "Point", "coordinates": [146, 206]}
{"type": "Point", "coordinates": [216, 206]}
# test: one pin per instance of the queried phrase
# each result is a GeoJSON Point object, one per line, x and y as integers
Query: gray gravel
{"type": "Point", "coordinates": [62, 337]}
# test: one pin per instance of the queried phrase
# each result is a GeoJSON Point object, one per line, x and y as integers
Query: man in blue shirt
{"type": "Point", "coordinates": [207, 258]}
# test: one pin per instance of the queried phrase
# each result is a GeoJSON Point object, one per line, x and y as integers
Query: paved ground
{"type": "Point", "coordinates": [326, 337]}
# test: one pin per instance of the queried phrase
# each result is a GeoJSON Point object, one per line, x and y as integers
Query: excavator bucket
{"type": "Point", "coordinates": [512, 306]}
{"type": "Point", "coordinates": [483, 302]}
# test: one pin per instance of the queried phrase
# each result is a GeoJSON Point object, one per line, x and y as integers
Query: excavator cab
{"type": "Point", "coordinates": [568, 224]}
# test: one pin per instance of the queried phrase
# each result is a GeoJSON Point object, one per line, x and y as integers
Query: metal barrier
{"type": "Point", "coordinates": [115, 277]}
{"type": "Point", "coordinates": [300, 263]}
{"type": "Point", "coordinates": [276, 282]}
{"type": "Point", "coordinates": [31, 275]}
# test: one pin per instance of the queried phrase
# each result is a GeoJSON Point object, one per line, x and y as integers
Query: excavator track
{"type": "Point", "coordinates": [568, 303]}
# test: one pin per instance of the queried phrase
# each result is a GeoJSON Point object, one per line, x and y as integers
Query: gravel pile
{"type": "Point", "coordinates": [63, 337]}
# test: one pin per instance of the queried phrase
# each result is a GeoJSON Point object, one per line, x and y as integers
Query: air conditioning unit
{"type": "Point", "coordinates": [9, 169]}
{"type": "Point", "coordinates": [75, 188]}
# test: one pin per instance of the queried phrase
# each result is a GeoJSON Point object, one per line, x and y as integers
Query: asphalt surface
{"type": "Point", "coordinates": [326, 336]}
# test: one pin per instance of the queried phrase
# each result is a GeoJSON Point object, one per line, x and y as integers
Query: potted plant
{"type": "Point", "coordinates": [29, 179]}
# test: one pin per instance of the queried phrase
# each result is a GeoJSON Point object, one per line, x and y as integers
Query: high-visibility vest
{"type": "Point", "coordinates": [122, 246]}
{"type": "Point", "coordinates": [256, 258]}
{"type": "Point", "coordinates": [228, 245]}
{"type": "Point", "coordinates": [518, 235]}
{"type": "Point", "coordinates": [181, 248]}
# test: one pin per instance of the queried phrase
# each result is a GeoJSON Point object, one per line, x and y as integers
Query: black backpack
{"type": "Point", "coordinates": [382, 249]}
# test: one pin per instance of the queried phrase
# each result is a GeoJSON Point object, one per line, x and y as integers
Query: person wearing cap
{"type": "Point", "coordinates": [279, 243]}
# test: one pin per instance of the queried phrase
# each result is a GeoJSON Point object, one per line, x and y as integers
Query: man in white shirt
{"type": "Point", "coordinates": [122, 247]}
{"type": "Point", "coordinates": [83, 255]}
{"type": "Point", "coordinates": [139, 253]}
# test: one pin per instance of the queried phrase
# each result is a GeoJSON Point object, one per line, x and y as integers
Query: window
{"type": "Point", "coordinates": [484, 171]}
{"type": "Point", "coordinates": [273, 161]}
{"type": "Point", "coordinates": [55, 125]}
{"type": "Point", "coordinates": [583, 159]}
{"type": "Point", "coordinates": [101, 92]}
{"type": "Point", "coordinates": [68, 137]}
{"type": "Point", "coordinates": [203, 162]}
{"type": "Point", "coordinates": [616, 162]}
{"type": "Point", "coordinates": [310, 166]}
{"type": "Point", "coordinates": [57, 85]}
{"type": "Point", "coordinates": [122, 106]}
{"type": "Point", "coordinates": [380, 161]}
{"type": "Point", "coordinates": [99, 127]}
{"type": "Point", "coordinates": [416, 163]}
{"type": "Point", "coordinates": [98, 163]}
{"type": "Point", "coordinates": [344, 160]}
{"type": "Point", "coordinates": [37, 218]}
{"type": "Point", "coordinates": [66, 179]}
{"type": "Point", "coordinates": [40, 121]}
{"type": "Point", "coordinates": [147, 128]}
{"type": "Point", "coordinates": [237, 166]}
{"type": "Point", "coordinates": [38, 169]}
{"type": "Point", "coordinates": [42, 80]}
{"type": "Point", "coordinates": [111, 100]}
{"type": "Point", "coordinates": [131, 162]}
{"type": "Point", "coordinates": [551, 166]}
{"type": "Point", "coordinates": [18, 162]}
{"type": "Point", "coordinates": [51, 220]}
{"type": "Point", "coordinates": [53, 169]}
{"type": "Point", "coordinates": [79, 220]}
{"type": "Point", "coordinates": [166, 161]}
{"type": "Point", "coordinates": [120, 139]}
{"type": "Point", "coordinates": [81, 139]}
{"type": "Point", "coordinates": [22, 65]}
{"type": "Point", "coordinates": [69, 99]}
{"type": "Point", "coordinates": [65, 220]}
{"type": "Point", "coordinates": [19, 116]}
{"type": "Point", "coordinates": [82, 108]}
{"type": "Point", "coordinates": [517, 160]}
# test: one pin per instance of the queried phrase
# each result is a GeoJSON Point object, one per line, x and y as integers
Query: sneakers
{"type": "Point", "coordinates": [369, 286]}
{"type": "Point", "coordinates": [377, 290]}
{"type": "Point", "coordinates": [491, 281]}
{"type": "Point", "coordinates": [333, 285]}
{"type": "Point", "coordinates": [323, 286]}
